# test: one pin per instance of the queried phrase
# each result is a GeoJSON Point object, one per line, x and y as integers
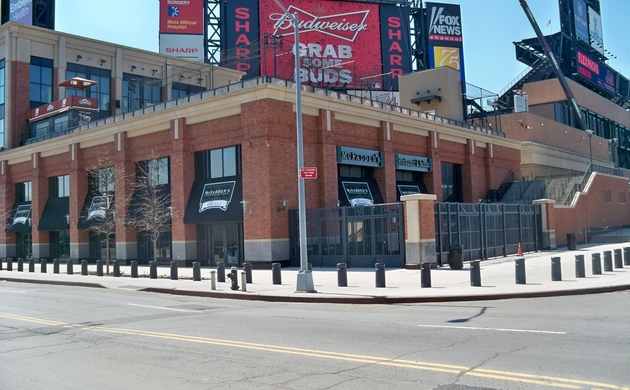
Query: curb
{"type": "Point", "coordinates": [53, 282]}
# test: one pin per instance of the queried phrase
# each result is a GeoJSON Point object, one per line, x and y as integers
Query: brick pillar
{"type": "Point", "coordinates": [386, 176]}
{"type": "Point", "coordinates": [79, 239]}
{"type": "Point", "coordinates": [40, 196]}
{"type": "Point", "coordinates": [7, 198]}
{"type": "Point", "coordinates": [420, 245]}
{"type": "Point", "coordinates": [327, 174]}
{"type": "Point", "coordinates": [125, 176]}
{"type": "Point", "coordinates": [184, 236]}
{"type": "Point", "coordinates": [548, 222]}
{"type": "Point", "coordinates": [433, 180]}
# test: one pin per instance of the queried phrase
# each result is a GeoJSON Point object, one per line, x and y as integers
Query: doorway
{"type": "Point", "coordinates": [220, 243]}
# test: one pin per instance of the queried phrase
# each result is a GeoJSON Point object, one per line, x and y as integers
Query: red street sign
{"type": "Point", "coordinates": [308, 173]}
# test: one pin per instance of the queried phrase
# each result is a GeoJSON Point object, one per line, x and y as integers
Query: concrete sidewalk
{"type": "Point", "coordinates": [402, 286]}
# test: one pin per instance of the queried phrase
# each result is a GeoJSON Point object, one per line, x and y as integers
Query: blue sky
{"type": "Point", "coordinates": [490, 27]}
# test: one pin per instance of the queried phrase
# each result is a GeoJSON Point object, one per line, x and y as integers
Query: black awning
{"type": "Point", "coordinates": [136, 201]}
{"type": "Point", "coordinates": [215, 200]}
{"type": "Point", "coordinates": [20, 218]}
{"type": "Point", "coordinates": [93, 210]}
{"type": "Point", "coordinates": [356, 191]}
{"type": "Point", "coordinates": [55, 214]}
{"type": "Point", "coordinates": [410, 187]}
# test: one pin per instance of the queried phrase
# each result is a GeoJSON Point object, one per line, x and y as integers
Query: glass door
{"type": "Point", "coordinates": [226, 244]}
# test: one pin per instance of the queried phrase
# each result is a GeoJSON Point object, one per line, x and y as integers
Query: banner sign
{"type": "Point", "coordinates": [364, 157]}
{"type": "Point", "coordinates": [413, 163]}
{"type": "Point", "coordinates": [216, 196]}
{"type": "Point", "coordinates": [358, 193]}
{"type": "Point", "coordinates": [395, 43]}
{"type": "Point", "coordinates": [58, 106]}
{"type": "Point", "coordinates": [189, 47]}
{"type": "Point", "coordinates": [445, 33]}
{"type": "Point", "coordinates": [241, 37]}
{"type": "Point", "coordinates": [21, 11]}
{"type": "Point", "coordinates": [182, 17]}
{"type": "Point", "coordinates": [595, 30]}
{"type": "Point", "coordinates": [581, 20]}
{"type": "Point", "coordinates": [408, 190]}
{"type": "Point", "coordinates": [596, 72]}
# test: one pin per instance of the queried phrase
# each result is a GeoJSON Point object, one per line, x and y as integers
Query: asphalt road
{"type": "Point", "coordinates": [54, 337]}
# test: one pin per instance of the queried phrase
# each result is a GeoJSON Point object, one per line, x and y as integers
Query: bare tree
{"type": "Point", "coordinates": [104, 207]}
{"type": "Point", "coordinates": [152, 208]}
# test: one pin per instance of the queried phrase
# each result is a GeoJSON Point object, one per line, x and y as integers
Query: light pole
{"type": "Point", "coordinates": [590, 144]}
{"type": "Point", "coordinates": [305, 276]}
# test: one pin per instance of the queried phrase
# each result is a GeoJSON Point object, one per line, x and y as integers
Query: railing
{"type": "Point", "coordinates": [260, 81]}
{"type": "Point", "coordinates": [496, 195]}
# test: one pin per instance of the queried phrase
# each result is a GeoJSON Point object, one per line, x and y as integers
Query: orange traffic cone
{"type": "Point", "coordinates": [520, 251]}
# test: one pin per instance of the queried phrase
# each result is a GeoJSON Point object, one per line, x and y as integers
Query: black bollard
{"type": "Point", "coordinates": [608, 265]}
{"type": "Point", "coordinates": [69, 267]}
{"type": "Point", "coordinates": [310, 267]}
{"type": "Point", "coordinates": [556, 269]}
{"type": "Point", "coordinates": [31, 265]}
{"type": "Point", "coordinates": [380, 274]}
{"type": "Point", "coordinates": [597, 263]}
{"type": "Point", "coordinates": [20, 264]}
{"type": "Point", "coordinates": [55, 266]}
{"type": "Point", "coordinates": [9, 264]}
{"type": "Point", "coordinates": [99, 267]}
{"type": "Point", "coordinates": [618, 259]}
{"type": "Point", "coordinates": [84, 267]}
{"type": "Point", "coordinates": [247, 267]}
{"type": "Point", "coordinates": [233, 276]}
{"type": "Point", "coordinates": [425, 275]}
{"type": "Point", "coordinates": [221, 272]}
{"type": "Point", "coordinates": [43, 265]}
{"type": "Point", "coordinates": [134, 269]}
{"type": "Point", "coordinates": [1, 265]}
{"type": "Point", "coordinates": [342, 275]}
{"type": "Point", "coordinates": [580, 271]}
{"type": "Point", "coordinates": [116, 268]}
{"type": "Point", "coordinates": [276, 275]}
{"type": "Point", "coordinates": [520, 271]}
{"type": "Point", "coordinates": [197, 271]}
{"type": "Point", "coordinates": [153, 269]}
{"type": "Point", "coordinates": [626, 255]}
{"type": "Point", "coordinates": [173, 270]}
{"type": "Point", "coordinates": [475, 273]}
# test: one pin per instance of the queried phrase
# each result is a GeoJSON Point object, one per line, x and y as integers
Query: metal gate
{"type": "Point", "coordinates": [486, 230]}
{"type": "Point", "coordinates": [357, 236]}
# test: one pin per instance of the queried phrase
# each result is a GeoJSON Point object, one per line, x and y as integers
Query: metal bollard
{"type": "Point", "coordinates": [213, 280]}
{"type": "Point", "coordinates": [55, 266]}
{"type": "Point", "coordinates": [608, 265]}
{"type": "Point", "coordinates": [134, 269]}
{"type": "Point", "coordinates": [116, 268]}
{"type": "Point", "coordinates": [580, 271]}
{"type": "Point", "coordinates": [276, 273]}
{"type": "Point", "coordinates": [9, 264]}
{"type": "Point", "coordinates": [43, 265]}
{"type": "Point", "coordinates": [618, 259]}
{"type": "Point", "coordinates": [520, 271]}
{"type": "Point", "coordinates": [196, 271]}
{"type": "Point", "coordinates": [310, 267]}
{"type": "Point", "coordinates": [425, 275]}
{"type": "Point", "coordinates": [20, 264]}
{"type": "Point", "coordinates": [556, 269]}
{"type": "Point", "coordinates": [173, 270]}
{"type": "Point", "coordinates": [233, 278]}
{"type": "Point", "coordinates": [221, 272]}
{"type": "Point", "coordinates": [70, 267]}
{"type": "Point", "coordinates": [380, 274]}
{"type": "Point", "coordinates": [244, 281]}
{"type": "Point", "coordinates": [597, 263]}
{"type": "Point", "coordinates": [31, 265]}
{"type": "Point", "coordinates": [626, 255]}
{"type": "Point", "coordinates": [1, 265]}
{"type": "Point", "coordinates": [342, 275]}
{"type": "Point", "coordinates": [99, 267]}
{"type": "Point", "coordinates": [153, 269]}
{"type": "Point", "coordinates": [475, 273]}
{"type": "Point", "coordinates": [247, 267]}
{"type": "Point", "coordinates": [84, 267]}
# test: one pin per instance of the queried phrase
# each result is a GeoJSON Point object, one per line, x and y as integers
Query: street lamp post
{"type": "Point", "coordinates": [305, 276]}
{"type": "Point", "coordinates": [590, 144]}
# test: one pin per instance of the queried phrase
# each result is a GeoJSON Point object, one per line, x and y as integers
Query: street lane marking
{"type": "Point", "coordinates": [400, 363]}
{"type": "Point", "coordinates": [13, 291]}
{"type": "Point", "coordinates": [491, 329]}
{"type": "Point", "coordinates": [165, 308]}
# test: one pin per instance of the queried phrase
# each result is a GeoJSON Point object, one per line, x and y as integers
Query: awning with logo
{"type": "Point", "coordinates": [20, 218]}
{"type": "Point", "coordinates": [55, 216]}
{"type": "Point", "coordinates": [409, 188]}
{"type": "Point", "coordinates": [355, 191]}
{"type": "Point", "coordinates": [215, 200]}
{"type": "Point", "coordinates": [93, 210]}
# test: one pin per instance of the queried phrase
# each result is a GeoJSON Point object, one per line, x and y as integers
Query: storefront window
{"type": "Point", "coordinates": [180, 90]}
{"type": "Point", "coordinates": [452, 183]}
{"type": "Point", "coordinates": [217, 163]}
{"type": "Point", "coordinates": [41, 89]}
{"type": "Point", "coordinates": [139, 92]}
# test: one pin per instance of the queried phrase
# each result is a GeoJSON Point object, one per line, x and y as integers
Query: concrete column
{"type": "Point", "coordinates": [126, 238]}
{"type": "Point", "coordinates": [548, 222]}
{"type": "Point", "coordinates": [40, 196]}
{"type": "Point", "coordinates": [7, 198]}
{"type": "Point", "coordinates": [420, 244]}
{"type": "Point", "coordinates": [79, 239]}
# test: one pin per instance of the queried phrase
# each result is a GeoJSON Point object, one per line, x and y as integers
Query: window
{"type": "Point", "coordinates": [59, 187]}
{"type": "Point", "coordinates": [99, 91]}
{"type": "Point", "coordinates": [622, 197]}
{"type": "Point", "coordinates": [102, 180]}
{"type": "Point", "coordinates": [180, 90]}
{"type": "Point", "coordinates": [23, 192]}
{"type": "Point", "coordinates": [139, 92]}
{"type": "Point", "coordinates": [411, 176]}
{"type": "Point", "coordinates": [2, 103]}
{"type": "Point", "coordinates": [452, 183]}
{"type": "Point", "coordinates": [607, 196]}
{"type": "Point", "coordinates": [355, 171]}
{"type": "Point", "coordinates": [217, 163]}
{"type": "Point", "coordinates": [157, 170]}
{"type": "Point", "coordinates": [41, 82]}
